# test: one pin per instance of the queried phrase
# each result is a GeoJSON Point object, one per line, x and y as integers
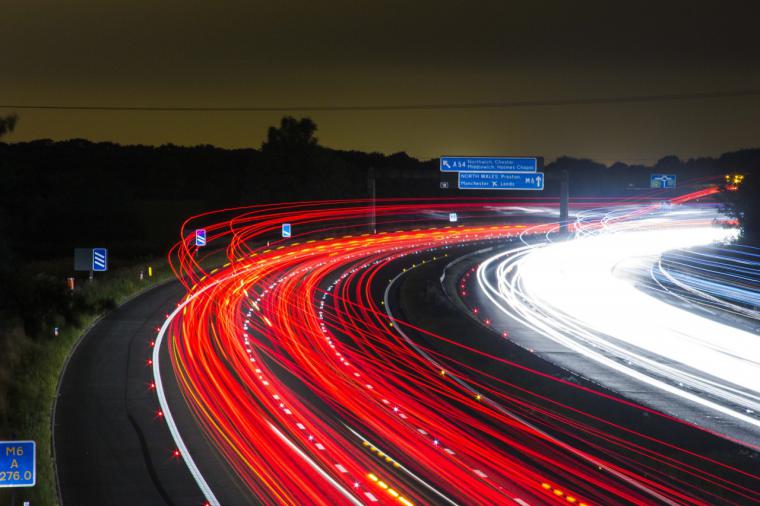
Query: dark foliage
{"type": "Point", "coordinates": [749, 204]}
{"type": "Point", "coordinates": [7, 124]}
{"type": "Point", "coordinates": [59, 195]}
{"type": "Point", "coordinates": [744, 204]}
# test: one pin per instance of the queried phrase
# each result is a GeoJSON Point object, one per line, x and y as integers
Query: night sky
{"type": "Point", "coordinates": [250, 53]}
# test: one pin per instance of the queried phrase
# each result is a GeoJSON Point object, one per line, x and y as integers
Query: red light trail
{"type": "Point", "coordinates": [292, 367]}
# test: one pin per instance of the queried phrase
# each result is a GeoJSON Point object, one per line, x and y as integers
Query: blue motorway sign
{"type": "Point", "coordinates": [18, 464]}
{"type": "Point", "coordinates": [200, 237]}
{"type": "Point", "coordinates": [501, 181]}
{"type": "Point", "coordinates": [99, 259]}
{"type": "Point", "coordinates": [286, 232]}
{"type": "Point", "coordinates": [662, 181]}
{"type": "Point", "coordinates": [488, 164]}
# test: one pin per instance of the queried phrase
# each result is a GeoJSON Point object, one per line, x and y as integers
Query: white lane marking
{"type": "Point", "coordinates": [520, 501]}
{"type": "Point", "coordinates": [341, 468]}
{"type": "Point", "coordinates": [480, 473]}
{"type": "Point", "coordinates": [370, 496]}
{"type": "Point", "coordinates": [168, 417]}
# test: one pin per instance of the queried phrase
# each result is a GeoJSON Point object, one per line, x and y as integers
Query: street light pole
{"type": "Point", "coordinates": [373, 197]}
{"type": "Point", "coordinates": [564, 203]}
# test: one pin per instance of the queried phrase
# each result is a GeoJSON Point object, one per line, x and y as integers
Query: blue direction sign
{"type": "Point", "coordinates": [662, 181]}
{"type": "Point", "coordinates": [99, 259]}
{"type": "Point", "coordinates": [488, 164]}
{"type": "Point", "coordinates": [18, 464]}
{"type": "Point", "coordinates": [286, 232]}
{"type": "Point", "coordinates": [200, 237]}
{"type": "Point", "coordinates": [501, 181]}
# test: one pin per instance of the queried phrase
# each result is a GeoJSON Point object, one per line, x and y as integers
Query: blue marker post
{"type": "Point", "coordinates": [99, 260]}
{"type": "Point", "coordinates": [200, 237]}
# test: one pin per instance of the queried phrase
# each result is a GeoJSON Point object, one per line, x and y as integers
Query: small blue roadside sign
{"type": "Point", "coordinates": [453, 217]}
{"type": "Point", "coordinates": [501, 181]}
{"type": "Point", "coordinates": [18, 464]}
{"type": "Point", "coordinates": [99, 259]}
{"type": "Point", "coordinates": [665, 181]}
{"type": "Point", "coordinates": [286, 230]}
{"type": "Point", "coordinates": [200, 237]}
{"type": "Point", "coordinates": [488, 164]}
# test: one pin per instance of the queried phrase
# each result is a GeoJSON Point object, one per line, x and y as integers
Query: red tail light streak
{"type": "Point", "coordinates": [306, 312]}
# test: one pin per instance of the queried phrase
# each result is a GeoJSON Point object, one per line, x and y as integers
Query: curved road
{"type": "Point", "coordinates": [294, 374]}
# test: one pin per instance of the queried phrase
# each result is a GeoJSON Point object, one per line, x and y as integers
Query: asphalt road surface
{"type": "Point", "coordinates": [109, 447]}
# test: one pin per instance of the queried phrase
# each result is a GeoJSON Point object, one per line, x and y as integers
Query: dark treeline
{"type": "Point", "coordinates": [59, 195]}
{"type": "Point", "coordinates": [590, 178]}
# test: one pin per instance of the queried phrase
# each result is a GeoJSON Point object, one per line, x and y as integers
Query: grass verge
{"type": "Point", "coordinates": [30, 369]}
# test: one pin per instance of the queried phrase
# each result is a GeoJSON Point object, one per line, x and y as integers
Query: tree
{"type": "Point", "coordinates": [293, 136]}
{"type": "Point", "coordinates": [670, 162]}
{"type": "Point", "coordinates": [7, 124]}
{"type": "Point", "coordinates": [747, 208]}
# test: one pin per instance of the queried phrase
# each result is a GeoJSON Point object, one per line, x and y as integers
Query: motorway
{"type": "Point", "coordinates": [338, 367]}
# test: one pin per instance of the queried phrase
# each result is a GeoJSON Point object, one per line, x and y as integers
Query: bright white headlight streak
{"type": "Point", "coordinates": [569, 292]}
{"type": "Point", "coordinates": [699, 288]}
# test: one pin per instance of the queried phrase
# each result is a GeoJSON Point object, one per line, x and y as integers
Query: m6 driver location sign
{"type": "Point", "coordinates": [18, 463]}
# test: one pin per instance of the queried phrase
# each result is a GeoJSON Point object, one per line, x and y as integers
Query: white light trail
{"type": "Point", "coordinates": [577, 294]}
